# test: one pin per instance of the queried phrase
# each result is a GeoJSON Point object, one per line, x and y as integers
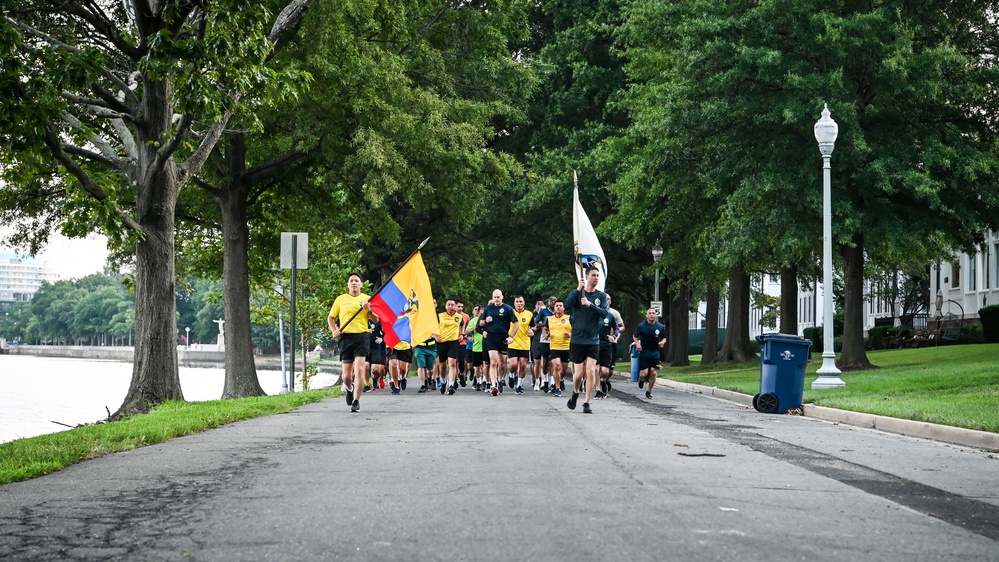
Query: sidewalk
{"type": "Point", "coordinates": [925, 430]}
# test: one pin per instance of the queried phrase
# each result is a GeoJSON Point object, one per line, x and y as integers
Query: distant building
{"type": "Point", "coordinates": [967, 282]}
{"type": "Point", "coordinates": [20, 278]}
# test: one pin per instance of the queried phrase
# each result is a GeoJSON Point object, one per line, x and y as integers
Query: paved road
{"type": "Point", "coordinates": [473, 477]}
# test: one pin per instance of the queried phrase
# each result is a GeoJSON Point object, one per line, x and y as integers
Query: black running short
{"type": "Point", "coordinates": [560, 354]}
{"type": "Point", "coordinates": [478, 358]}
{"type": "Point", "coordinates": [648, 363]}
{"type": "Point", "coordinates": [353, 346]}
{"type": "Point", "coordinates": [404, 355]}
{"type": "Point", "coordinates": [580, 352]}
{"type": "Point", "coordinates": [448, 350]}
{"type": "Point", "coordinates": [376, 357]}
{"type": "Point", "coordinates": [606, 356]}
{"type": "Point", "coordinates": [541, 349]}
{"type": "Point", "coordinates": [512, 353]}
{"type": "Point", "coordinates": [494, 342]}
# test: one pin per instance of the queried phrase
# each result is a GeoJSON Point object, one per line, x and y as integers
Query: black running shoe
{"type": "Point", "coordinates": [423, 388]}
{"type": "Point", "coordinates": [443, 388]}
{"type": "Point", "coordinates": [648, 395]}
{"type": "Point", "coordinates": [586, 408]}
{"type": "Point", "coordinates": [641, 383]}
{"type": "Point", "coordinates": [544, 388]}
{"type": "Point", "coordinates": [599, 394]}
{"type": "Point", "coordinates": [572, 401]}
{"type": "Point", "coordinates": [450, 390]}
{"type": "Point", "coordinates": [402, 383]}
{"type": "Point", "coordinates": [608, 387]}
{"type": "Point", "coordinates": [462, 381]}
{"type": "Point", "coordinates": [561, 385]}
{"type": "Point", "coordinates": [603, 386]}
{"type": "Point", "coordinates": [349, 396]}
{"type": "Point", "coordinates": [520, 390]}
{"type": "Point", "coordinates": [356, 406]}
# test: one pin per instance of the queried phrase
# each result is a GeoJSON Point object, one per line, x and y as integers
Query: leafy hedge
{"type": "Point", "coordinates": [990, 322]}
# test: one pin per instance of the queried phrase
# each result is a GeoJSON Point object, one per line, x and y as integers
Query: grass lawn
{"type": "Point", "coordinates": [952, 385]}
{"type": "Point", "coordinates": [35, 456]}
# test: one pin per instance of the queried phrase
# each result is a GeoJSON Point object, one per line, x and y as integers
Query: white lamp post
{"type": "Point", "coordinates": [188, 329]}
{"type": "Point", "coordinates": [825, 133]}
{"type": "Point", "coordinates": [657, 253]}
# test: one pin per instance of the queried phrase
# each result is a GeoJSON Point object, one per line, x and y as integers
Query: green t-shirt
{"type": "Point", "coordinates": [477, 338]}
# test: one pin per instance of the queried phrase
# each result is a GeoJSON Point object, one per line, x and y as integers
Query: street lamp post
{"type": "Point", "coordinates": [188, 341]}
{"type": "Point", "coordinates": [825, 133]}
{"type": "Point", "coordinates": [657, 253]}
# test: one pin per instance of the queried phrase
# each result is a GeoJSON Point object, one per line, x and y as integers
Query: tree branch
{"type": "Point", "coordinates": [194, 163]}
{"type": "Point", "coordinates": [88, 183]}
{"type": "Point", "coordinates": [272, 167]}
{"type": "Point", "coordinates": [99, 22]}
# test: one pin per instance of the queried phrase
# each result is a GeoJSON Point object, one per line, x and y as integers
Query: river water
{"type": "Point", "coordinates": [37, 391]}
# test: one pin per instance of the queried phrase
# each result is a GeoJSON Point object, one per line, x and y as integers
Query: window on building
{"type": "Point", "coordinates": [955, 275]}
{"type": "Point", "coordinates": [987, 269]}
{"type": "Point", "coordinates": [972, 272]}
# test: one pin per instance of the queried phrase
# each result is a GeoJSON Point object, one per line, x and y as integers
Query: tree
{"type": "Point", "coordinates": [111, 110]}
{"type": "Point", "coordinates": [741, 83]}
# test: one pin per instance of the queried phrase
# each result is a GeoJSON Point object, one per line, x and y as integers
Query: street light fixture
{"type": "Point", "coordinates": [657, 254]}
{"type": "Point", "coordinates": [188, 341]}
{"type": "Point", "coordinates": [826, 131]}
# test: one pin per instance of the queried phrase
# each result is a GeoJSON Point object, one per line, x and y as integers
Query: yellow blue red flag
{"type": "Point", "coordinates": [405, 304]}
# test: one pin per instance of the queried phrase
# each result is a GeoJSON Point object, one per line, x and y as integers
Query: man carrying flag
{"type": "Point", "coordinates": [348, 320]}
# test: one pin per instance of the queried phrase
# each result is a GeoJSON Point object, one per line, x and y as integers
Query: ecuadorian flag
{"type": "Point", "coordinates": [405, 304]}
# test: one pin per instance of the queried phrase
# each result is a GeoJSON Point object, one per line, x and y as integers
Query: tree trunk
{"type": "Point", "coordinates": [155, 378]}
{"type": "Point", "coordinates": [853, 355]}
{"type": "Point", "coordinates": [679, 334]}
{"type": "Point", "coordinates": [736, 346]}
{"type": "Point", "coordinates": [710, 353]}
{"type": "Point", "coordinates": [789, 300]}
{"type": "Point", "coordinates": [240, 370]}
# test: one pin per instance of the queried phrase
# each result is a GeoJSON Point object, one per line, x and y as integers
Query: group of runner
{"type": "Point", "coordinates": [493, 347]}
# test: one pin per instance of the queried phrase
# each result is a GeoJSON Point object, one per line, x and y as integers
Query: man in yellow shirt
{"type": "Point", "coordinates": [519, 350]}
{"type": "Point", "coordinates": [348, 320]}
{"type": "Point", "coordinates": [447, 342]}
{"type": "Point", "coordinates": [560, 334]}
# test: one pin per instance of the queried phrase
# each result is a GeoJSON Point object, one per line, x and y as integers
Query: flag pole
{"type": "Point", "coordinates": [411, 256]}
{"type": "Point", "coordinates": [575, 223]}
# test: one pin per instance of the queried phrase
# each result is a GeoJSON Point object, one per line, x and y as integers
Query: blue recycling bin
{"type": "Point", "coordinates": [782, 372]}
{"type": "Point", "coordinates": [634, 363]}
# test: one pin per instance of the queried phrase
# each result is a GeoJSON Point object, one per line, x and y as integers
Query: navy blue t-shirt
{"type": "Point", "coordinates": [503, 315]}
{"type": "Point", "coordinates": [650, 335]}
{"type": "Point", "coordinates": [587, 320]}
{"type": "Point", "coordinates": [376, 332]}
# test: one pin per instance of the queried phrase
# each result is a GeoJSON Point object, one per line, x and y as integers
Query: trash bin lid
{"type": "Point", "coordinates": [784, 338]}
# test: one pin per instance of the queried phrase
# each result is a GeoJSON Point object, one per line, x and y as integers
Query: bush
{"type": "Point", "coordinates": [815, 335]}
{"type": "Point", "coordinates": [876, 336]}
{"type": "Point", "coordinates": [990, 323]}
{"type": "Point", "coordinates": [972, 333]}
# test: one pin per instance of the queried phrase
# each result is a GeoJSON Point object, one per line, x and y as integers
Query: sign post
{"type": "Point", "coordinates": [294, 256]}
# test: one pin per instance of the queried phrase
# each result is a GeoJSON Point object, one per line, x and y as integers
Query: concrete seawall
{"type": "Point", "coordinates": [185, 357]}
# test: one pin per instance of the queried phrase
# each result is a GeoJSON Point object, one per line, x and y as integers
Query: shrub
{"type": "Point", "coordinates": [990, 322]}
{"type": "Point", "coordinates": [877, 334]}
{"type": "Point", "coordinates": [972, 333]}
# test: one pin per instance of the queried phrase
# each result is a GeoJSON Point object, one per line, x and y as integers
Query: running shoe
{"type": "Point", "coordinates": [450, 390]}
{"type": "Point", "coordinates": [402, 383]}
{"type": "Point", "coordinates": [501, 385]}
{"type": "Point", "coordinates": [462, 381]}
{"type": "Point", "coordinates": [561, 385]}
{"type": "Point", "coordinates": [544, 387]}
{"type": "Point", "coordinates": [537, 385]}
{"type": "Point", "coordinates": [586, 408]}
{"type": "Point", "coordinates": [348, 393]}
{"type": "Point", "coordinates": [355, 406]}
{"type": "Point", "coordinates": [423, 388]}
{"type": "Point", "coordinates": [648, 395]}
{"type": "Point", "coordinates": [395, 391]}
{"type": "Point", "coordinates": [599, 394]}
{"type": "Point", "coordinates": [603, 386]}
{"type": "Point", "coordinates": [520, 390]}
{"type": "Point", "coordinates": [441, 387]}
{"type": "Point", "coordinates": [381, 383]}
{"type": "Point", "coordinates": [641, 382]}
{"type": "Point", "coordinates": [366, 388]}
{"type": "Point", "coordinates": [572, 401]}
{"type": "Point", "coordinates": [558, 393]}
{"type": "Point", "coordinates": [477, 386]}
{"type": "Point", "coordinates": [495, 391]}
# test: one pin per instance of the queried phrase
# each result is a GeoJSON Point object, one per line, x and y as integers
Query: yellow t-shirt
{"type": "Point", "coordinates": [344, 307]}
{"type": "Point", "coordinates": [560, 330]}
{"type": "Point", "coordinates": [521, 340]}
{"type": "Point", "coordinates": [402, 346]}
{"type": "Point", "coordinates": [449, 325]}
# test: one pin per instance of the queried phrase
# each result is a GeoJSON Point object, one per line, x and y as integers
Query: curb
{"type": "Point", "coordinates": [924, 430]}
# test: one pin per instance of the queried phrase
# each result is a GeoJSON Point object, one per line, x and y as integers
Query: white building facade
{"type": "Point", "coordinates": [20, 278]}
{"type": "Point", "coordinates": [967, 282]}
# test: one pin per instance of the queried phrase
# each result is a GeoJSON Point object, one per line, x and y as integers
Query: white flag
{"type": "Point", "coordinates": [586, 246]}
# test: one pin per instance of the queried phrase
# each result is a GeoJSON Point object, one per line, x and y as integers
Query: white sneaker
{"type": "Point", "coordinates": [537, 385]}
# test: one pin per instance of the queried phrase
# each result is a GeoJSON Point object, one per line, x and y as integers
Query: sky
{"type": "Point", "coordinates": [73, 258]}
